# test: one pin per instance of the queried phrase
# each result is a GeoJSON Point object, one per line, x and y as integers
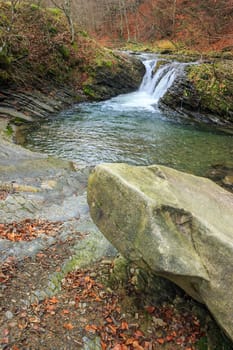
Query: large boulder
{"type": "Point", "coordinates": [173, 224]}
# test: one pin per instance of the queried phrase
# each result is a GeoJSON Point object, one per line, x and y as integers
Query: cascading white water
{"type": "Point", "coordinates": [156, 84]}
{"type": "Point", "coordinates": [152, 88]}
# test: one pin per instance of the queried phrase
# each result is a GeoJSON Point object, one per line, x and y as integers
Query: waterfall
{"type": "Point", "coordinates": [156, 84]}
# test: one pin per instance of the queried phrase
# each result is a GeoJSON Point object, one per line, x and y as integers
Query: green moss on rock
{"type": "Point", "coordinates": [214, 84]}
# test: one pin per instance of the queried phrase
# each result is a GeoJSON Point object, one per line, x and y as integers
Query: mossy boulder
{"type": "Point", "coordinates": [204, 93]}
{"type": "Point", "coordinates": [172, 224]}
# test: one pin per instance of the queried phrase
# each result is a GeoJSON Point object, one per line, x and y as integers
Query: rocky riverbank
{"type": "Point", "coordinates": [203, 94]}
{"type": "Point", "coordinates": [23, 105]}
{"type": "Point", "coordinates": [59, 283]}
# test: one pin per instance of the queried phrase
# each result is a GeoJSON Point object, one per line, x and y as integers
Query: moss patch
{"type": "Point", "coordinates": [213, 81]}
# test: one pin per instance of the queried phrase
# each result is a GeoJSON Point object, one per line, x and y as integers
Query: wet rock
{"type": "Point", "coordinates": [222, 174]}
{"type": "Point", "coordinates": [172, 224]}
{"type": "Point", "coordinates": [193, 102]}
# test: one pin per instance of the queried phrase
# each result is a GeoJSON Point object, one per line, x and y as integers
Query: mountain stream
{"type": "Point", "coordinates": [131, 128]}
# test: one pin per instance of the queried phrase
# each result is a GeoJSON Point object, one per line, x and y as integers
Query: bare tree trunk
{"type": "Point", "coordinates": [173, 17]}
{"type": "Point", "coordinates": [126, 21]}
{"type": "Point", "coordinates": [66, 8]}
{"type": "Point", "coordinates": [121, 20]}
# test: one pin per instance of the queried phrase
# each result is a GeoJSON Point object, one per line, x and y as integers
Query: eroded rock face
{"type": "Point", "coordinates": [198, 105]}
{"type": "Point", "coordinates": [111, 80]}
{"type": "Point", "coordinates": [176, 225]}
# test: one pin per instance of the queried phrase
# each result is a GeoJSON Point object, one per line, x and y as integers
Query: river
{"type": "Point", "coordinates": [131, 128]}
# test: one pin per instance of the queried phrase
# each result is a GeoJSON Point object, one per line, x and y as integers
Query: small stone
{"type": "Point", "coordinates": [48, 185]}
{"type": "Point", "coordinates": [106, 262]}
{"type": "Point", "coordinates": [12, 324]}
{"type": "Point", "coordinates": [93, 274]}
{"type": "Point", "coordinates": [158, 322]}
{"type": "Point", "coordinates": [9, 315]}
{"type": "Point", "coordinates": [228, 180]}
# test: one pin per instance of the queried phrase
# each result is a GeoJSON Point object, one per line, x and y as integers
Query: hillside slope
{"type": "Point", "coordinates": [41, 70]}
{"type": "Point", "coordinates": [203, 25]}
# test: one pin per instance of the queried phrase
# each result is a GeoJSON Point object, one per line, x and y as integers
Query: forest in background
{"type": "Point", "coordinates": [205, 25]}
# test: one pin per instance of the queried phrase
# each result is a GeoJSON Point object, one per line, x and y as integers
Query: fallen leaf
{"type": "Point", "coordinates": [103, 345]}
{"type": "Point", "coordinates": [4, 340]}
{"type": "Point", "coordinates": [14, 347]}
{"type": "Point", "coordinates": [68, 326]}
{"type": "Point", "coordinates": [112, 328]}
{"type": "Point", "coordinates": [91, 328]}
{"type": "Point", "coordinates": [137, 346]}
{"type": "Point", "coordinates": [129, 341]}
{"type": "Point", "coordinates": [117, 347]}
{"type": "Point", "coordinates": [138, 334]}
{"type": "Point", "coordinates": [150, 309]}
{"type": "Point", "coordinates": [34, 319]}
{"type": "Point", "coordinates": [65, 312]}
{"type": "Point", "coordinates": [124, 325]}
{"type": "Point", "coordinates": [53, 300]}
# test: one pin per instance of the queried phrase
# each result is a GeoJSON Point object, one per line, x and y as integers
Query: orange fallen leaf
{"type": "Point", "coordinates": [65, 312]}
{"type": "Point", "coordinates": [50, 308]}
{"type": "Point", "coordinates": [53, 300]}
{"type": "Point", "coordinates": [138, 334]}
{"type": "Point", "coordinates": [112, 328]}
{"type": "Point", "coordinates": [22, 323]}
{"type": "Point", "coordinates": [98, 298]}
{"type": "Point", "coordinates": [124, 325]}
{"type": "Point", "coordinates": [169, 338]}
{"type": "Point", "coordinates": [150, 309]}
{"type": "Point", "coordinates": [103, 345]}
{"type": "Point", "coordinates": [160, 340]}
{"type": "Point", "coordinates": [137, 346]}
{"type": "Point", "coordinates": [14, 347]}
{"type": "Point", "coordinates": [122, 335]}
{"type": "Point", "coordinates": [34, 319]}
{"type": "Point", "coordinates": [147, 345]}
{"type": "Point", "coordinates": [4, 340]}
{"type": "Point", "coordinates": [91, 328]}
{"type": "Point", "coordinates": [124, 347]}
{"type": "Point", "coordinates": [129, 341]}
{"type": "Point", "coordinates": [40, 255]}
{"type": "Point", "coordinates": [117, 347]}
{"type": "Point", "coordinates": [68, 326]}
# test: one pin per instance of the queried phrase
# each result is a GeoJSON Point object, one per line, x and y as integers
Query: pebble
{"type": "Point", "coordinates": [9, 315]}
{"type": "Point", "coordinates": [158, 322]}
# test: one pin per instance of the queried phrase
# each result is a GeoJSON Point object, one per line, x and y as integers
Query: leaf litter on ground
{"type": "Point", "coordinates": [85, 308]}
{"type": "Point", "coordinates": [27, 230]}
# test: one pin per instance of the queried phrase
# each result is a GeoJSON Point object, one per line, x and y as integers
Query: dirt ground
{"type": "Point", "coordinates": [86, 313]}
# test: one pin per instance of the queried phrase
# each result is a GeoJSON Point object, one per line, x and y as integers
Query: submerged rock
{"type": "Point", "coordinates": [172, 224]}
{"type": "Point", "coordinates": [222, 174]}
